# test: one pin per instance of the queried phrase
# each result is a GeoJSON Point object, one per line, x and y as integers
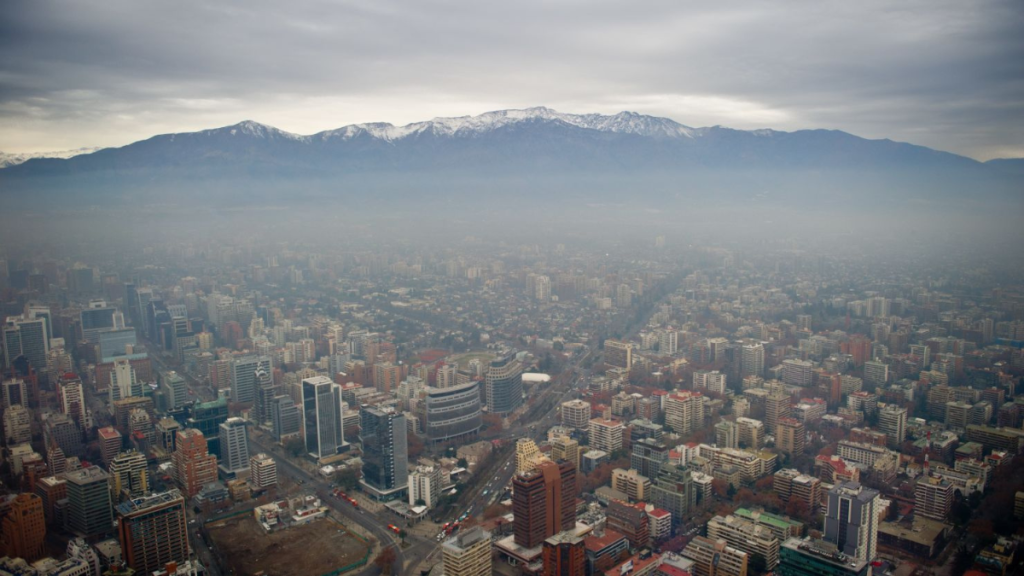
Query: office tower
{"type": "Point", "coordinates": [266, 391]}
{"type": "Point", "coordinates": [24, 528]}
{"type": "Point", "coordinates": [752, 360]}
{"type": "Point", "coordinates": [321, 401]}
{"type": "Point", "coordinates": [262, 472]}
{"type": "Point", "coordinates": [51, 490]}
{"type": "Point", "coordinates": [174, 388]}
{"type": "Point", "coordinates": [89, 506]}
{"type": "Point", "coordinates": [668, 342]}
{"type": "Point", "coordinates": [817, 558]}
{"type": "Point", "coordinates": [565, 448]}
{"type": "Point", "coordinates": [60, 430]}
{"type": "Point", "coordinates": [425, 486]}
{"type": "Point", "coordinates": [745, 535]}
{"type": "Point", "coordinates": [207, 418]}
{"type": "Point", "coordinates": [684, 411]}
{"type": "Point", "coordinates": [777, 406]}
{"type": "Point", "coordinates": [576, 414]}
{"type": "Point", "coordinates": [673, 491]}
{"type": "Point", "coordinates": [543, 502]}
{"type": "Point", "coordinates": [710, 380]}
{"type": "Point", "coordinates": [648, 457]}
{"type": "Point", "coordinates": [385, 451]}
{"type": "Point", "coordinates": [892, 420]}
{"type": "Point", "coordinates": [14, 393]}
{"type": "Point", "coordinates": [618, 354]}
{"type": "Point", "coordinates": [504, 382]}
{"type": "Point", "coordinates": [195, 466]}
{"type": "Point", "coordinates": [468, 553]}
{"type": "Point", "coordinates": [243, 376]}
{"type": "Point", "coordinates": [117, 342]}
{"type": "Point", "coordinates": [286, 417]}
{"type": "Point", "coordinates": [166, 431]}
{"type": "Point", "coordinates": [28, 337]}
{"type": "Point", "coordinates": [234, 447]}
{"type": "Point", "coordinates": [634, 485]}
{"type": "Point", "coordinates": [128, 475]}
{"type": "Point", "coordinates": [727, 434]}
{"type": "Point", "coordinates": [715, 558]}
{"type": "Point", "coordinates": [790, 437]}
{"type": "Point", "coordinates": [17, 425]}
{"type": "Point", "coordinates": [152, 531]}
{"type": "Point", "coordinates": [933, 497]}
{"type": "Point", "coordinates": [96, 318]}
{"type": "Point", "coordinates": [72, 399]}
{"type": "Point", "coordinates": [606, 435]}
{"type": "Point", "coordinates": [851, 522]}
{"type": "Point", "coordinates": [452, 414]}
{"type": "Point", "coordinates": [564, 554]}
{"type": "Point", "coordinates": [123, 381]}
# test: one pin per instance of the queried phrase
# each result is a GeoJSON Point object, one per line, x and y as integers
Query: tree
{"type": "Point", "coordinates": [295, 446]}
{"type": "Point", "coordinates": [402, 534]}
{"type": "Point", "coordinates": [463, 463]}
{"type": "Point", "coordinates": [720, 487]}
{"type": "Point", "coordinates": [385, 560]}
{"type": "Point", "coordinates": [797, 508]}
{"type": "Point", "coordinates": [757, 564]}
{"type": "Point", "coordinates": [493, 511]}
{"type": "Point", "coordinates": [348, 479]}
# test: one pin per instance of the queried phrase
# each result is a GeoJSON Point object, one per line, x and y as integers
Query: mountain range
{"type": "Point", "coordinates": [534, 154]}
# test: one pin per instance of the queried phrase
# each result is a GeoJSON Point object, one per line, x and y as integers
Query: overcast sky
{"type": "Point", "coordinates": [942, 73]}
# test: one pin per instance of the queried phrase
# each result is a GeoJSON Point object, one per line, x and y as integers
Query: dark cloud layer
{"type": "Point", "coordinates": [946, 74]}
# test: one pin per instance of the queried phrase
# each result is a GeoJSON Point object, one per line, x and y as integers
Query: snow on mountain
{"type": "Point", "coordinates": [15, 158]}
{"type": "Point", "coordinates": [623, 123]}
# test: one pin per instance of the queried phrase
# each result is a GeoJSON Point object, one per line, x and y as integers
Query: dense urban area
{"type": "Point", "coordinates": [558, 408]}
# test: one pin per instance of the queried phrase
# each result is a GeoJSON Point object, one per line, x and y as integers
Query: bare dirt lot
{"type": "Point", "coordinates": [309, 550]}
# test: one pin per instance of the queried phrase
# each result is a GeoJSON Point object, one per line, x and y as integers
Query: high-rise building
{"type": "Point", "coordinates": [606, 435]}
{"type": "Point", "coordinates": [123, 380]}
{"type": "Point", "coordinates": [892, 420]}
{"type": "Point", "coordinates": [648, 457]}
{"type": "Point", "coordinates": [504, 381]}
{"type": "Point", "coordinates": [745, 535]}
{"type": "Point", "coordinates": [790, 436]}
{"type": "Point", "coordinates": [715, 558]}
{"type": "Point", "coordinates": [425, 486]}
{"type": "Point", "coordinates": [851, 522]}
{"type": "Point", "coordinates": [234, 447]}
{"type": "Point", "coordinates": [668, 342]}
{"type": "Point", "coordinates": [933, 497]}
{"type": "Point", "coordinates": [634, 485]}
{"type": "Point", "coordinates": [564, 554]}
{"type": "Point", "coordinates": [174, 388]}
{"type": "Point", "coordinates": [565, 448]}
{"type": "Point", "coordinates": [576, 414]}
{"type": "Point", "coordinates": [751, 432]}
{"type": "Point", "coordinates": [14, 392]}
{"type": "Point", "coordinates": [776, 407]}
{"type": "Point", "coordinates": [244, 379]}
{"type": "Point", "coordinates": [322, 407]}
{"type": "Point", "coordinates": [128, 475]}
{"type": "Point", "coordinates": [24, 528]}
{"type": "Point", "coordinates": [618, 354]}
{"type": "Point", "coordinates": [383, 434]}
{"type": "Point", "coordinates": [673, 491]}
{"type": "Point", "coordinates": [89, 507]}
{"type": "Point", "coordinates": [17, 425]}
{"type": "Point", "coordinates": [72, 399]}
{"type": "Point", "coordinates": [797, 372]}
{"type": "Point", "coordinates": [453, 413]}
{"type": "Point", "coordinates": [195, 466]}
{"type": "Point", "coordinates": [727, 434]}
{"type": "Point", "coordinates": [527, 455]}
{"type": "Point", "coordinates": [262, 472]}
{"type": "Point", "coordinates": [152, 531]}
{"type": "Point", "coordinates": [28, 337]}
{"type": "Point", "coordinates": [51, 490]}
{"type": "Point", "coordinates": [790, 484]}
{"type": "Point", "coordinates": [286, 417]}
{"type": "Point", "coordinates": [266, 391]}
{"type": "Point", "coordinates": [543, 502]}
{"type": "Point", "coordinates": [631, 521]}
{"type": "Point", "coordinates": [684, 411]}
{"type": "Point", "coordinates": [817, 558]}
{"type": "Point", "coordinates": [468, 553]}
{"type": "Point", "coordinates": [710, 380]}
{"type": "Point", "coordinates": [752, 360]}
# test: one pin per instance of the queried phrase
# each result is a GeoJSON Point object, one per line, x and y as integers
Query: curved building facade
{"type": "Point", "coordinates": [452, 413]}
{"type": "Point", "coordinates": [504, 385]}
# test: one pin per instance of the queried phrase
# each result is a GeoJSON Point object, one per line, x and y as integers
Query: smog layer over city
{"type": "Point", "coordinates": [566, 288]}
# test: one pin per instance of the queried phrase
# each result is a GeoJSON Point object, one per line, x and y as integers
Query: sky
{"type": "Point", "coordinates": [947, 74]}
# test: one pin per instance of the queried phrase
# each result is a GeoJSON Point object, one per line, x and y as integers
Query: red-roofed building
{"type": "Point", "coordinates": [604, 551]}
{"type": "Point", "coordinates": [659, 524]}
{"type": "Point", "coordinates": [635, 566]}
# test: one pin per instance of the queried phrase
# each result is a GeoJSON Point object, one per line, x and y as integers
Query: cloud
{"type": "Point", "coordinates": [946, 74]}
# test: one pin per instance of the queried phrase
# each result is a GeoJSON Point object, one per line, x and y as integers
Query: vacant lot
{"type": "Point", "coordinates": [308, 550]}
